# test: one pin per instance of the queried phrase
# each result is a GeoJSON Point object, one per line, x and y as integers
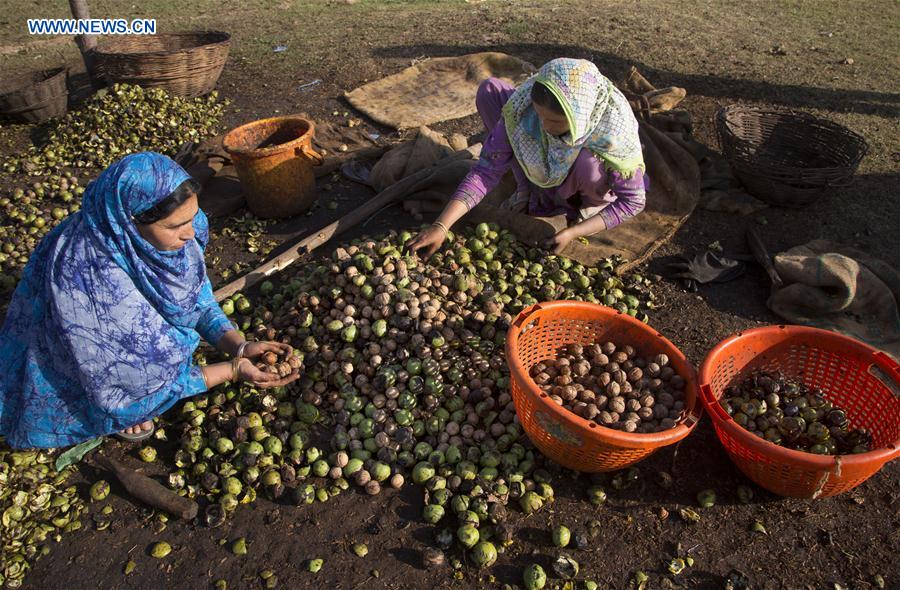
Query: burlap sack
{"type": "Point", "coordinates": [840, 288]}
{"type": "Point", "coordinates": [409, 157]}
{"type": "Point", "coordinates": [438, 89]}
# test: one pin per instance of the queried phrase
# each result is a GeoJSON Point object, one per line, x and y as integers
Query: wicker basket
{"type": "Point", "coordinates": [787, 158]}
{"type": "Point", "coordinates": [184, 64]}
{"type": "Point", "coordinates": [35, 97]}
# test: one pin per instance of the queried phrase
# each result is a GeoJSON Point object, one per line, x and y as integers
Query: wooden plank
{"type": "Point", "coordinates": [395, 192]}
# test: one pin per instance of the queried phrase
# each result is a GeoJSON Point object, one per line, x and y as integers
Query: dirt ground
{"type": "Point", "coordinates": [785, 53]}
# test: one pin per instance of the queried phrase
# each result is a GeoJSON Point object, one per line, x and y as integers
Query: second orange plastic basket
{"type": "Point", "coordinates": [537, 334]}
{"type": "Point", "coordinates": [860, 379]}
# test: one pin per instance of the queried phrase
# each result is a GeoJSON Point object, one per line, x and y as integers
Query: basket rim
{"type": "Point", "coordinates": [722, 116]}
{"type": "Point", "coordinates": [783, 454]}
{"type": "Point", "coordinates": [224, 39]}
{"type": "Point", "coordinates": [649, 440]}
{"type": "Point", "coordinates": [47, 75]}
{"type": "Point", "coordinates": [275, 149]}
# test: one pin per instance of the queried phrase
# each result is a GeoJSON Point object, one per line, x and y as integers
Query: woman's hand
{"type": "Point", "coordinates": [558, 243]}
{"type": "Point", "coordinates": [254, 350]}
{"type": "Point", "coordinates": [248, 372]}
{"type": "Point", "coordinates": [429, 239]}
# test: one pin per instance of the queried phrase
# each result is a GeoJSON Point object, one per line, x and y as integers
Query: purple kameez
{"type": "Point", "coordinates": [589, 189]}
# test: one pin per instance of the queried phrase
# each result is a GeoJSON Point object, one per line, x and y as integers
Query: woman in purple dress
{"type": "Point", "coordinates": [571, 141]}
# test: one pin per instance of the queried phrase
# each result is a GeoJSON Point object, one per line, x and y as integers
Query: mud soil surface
{"type": "Point", "coordinates": [722, 53]}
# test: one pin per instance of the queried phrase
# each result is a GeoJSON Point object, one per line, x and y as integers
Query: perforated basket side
{"type": "Point", "coordinates": [539, 334]}
{"type": "Point", "coordinates": [849, 375]}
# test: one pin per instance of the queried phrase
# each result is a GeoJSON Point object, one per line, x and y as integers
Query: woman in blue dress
{"type": "Point", "coordinates": [100, 333]}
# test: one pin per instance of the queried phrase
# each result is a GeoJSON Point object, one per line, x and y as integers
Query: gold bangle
{"type": "Point", "coordinates": [442, 226]}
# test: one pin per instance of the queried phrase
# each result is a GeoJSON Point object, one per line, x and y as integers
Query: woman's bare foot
{"type": "Point", "coordinates": [143, 427]}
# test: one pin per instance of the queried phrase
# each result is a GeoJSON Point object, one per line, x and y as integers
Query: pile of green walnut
{"type": "Point", "coordinates": [118, 121]}
{"type": "Point", "coordinates": [26, 215]}
{"type": "Point", "coordinates": [614, 387]}
{"type": "Point", "coordinates": [36, 507]}
{"type": "Point", "coordinates": [787, 412]}
{"type": "Point", "coordinates": [403, 376]}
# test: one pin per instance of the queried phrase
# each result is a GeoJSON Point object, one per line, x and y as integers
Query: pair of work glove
{"type": "Point", "coordinates": [707, 267]}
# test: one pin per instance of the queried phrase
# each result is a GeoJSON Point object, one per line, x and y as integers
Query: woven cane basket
{"type": "Point", "coordinates": [184, 64]}
{"type": "Point", "coordinates": [787, 158]}
{"type": "Point", "coordinates": [35, 97]}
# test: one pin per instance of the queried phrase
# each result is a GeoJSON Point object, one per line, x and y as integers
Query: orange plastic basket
{"type": "Point", "coordinates": [860, 379]}
{"type": "Point", "coordinates": [538, 333]}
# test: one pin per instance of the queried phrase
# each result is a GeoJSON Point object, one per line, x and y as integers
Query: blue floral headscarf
{"type": "Point", "coordinates": [100, 332]}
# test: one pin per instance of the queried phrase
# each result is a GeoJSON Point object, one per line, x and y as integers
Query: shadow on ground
{"type": "Point", "coordinates": [885, 104]}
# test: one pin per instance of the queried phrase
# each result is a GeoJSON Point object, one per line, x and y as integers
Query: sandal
{"type": "Point", "coordinates": [141, 436]}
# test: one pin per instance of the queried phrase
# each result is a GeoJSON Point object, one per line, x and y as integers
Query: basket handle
{"type": "Point", "coordinates": [693, 416]}
{"type": "Point", "coordinates": [312, 155]}
{"type": "Point", "coordinates": [884, 366]}
{"type": "Point", "coordinates": [712, 403]}
{"type": "Point", "coordinates": [526, 314]}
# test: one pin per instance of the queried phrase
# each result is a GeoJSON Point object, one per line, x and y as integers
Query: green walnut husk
{"type": "Point", "coordinates": [689, 515]}
{"type": "Point", "coordinates": [147, 454]}
{"type": "Point", "coordinates": [239, 547]}
{"type": "Point", "coordinates": [745, 494]}
{"type": "Point", "coordinates": [561, 536]}
{"type": "Point", "coordinates": [565, 567]}
{"type": "Point", "coordinates": [160, 550]}
{"type": "Point", "coordinates": [484, 554]}
{"type": "Point", "coordinates": [676, 566]}
{"type": "Point", "coordinates": [360, 549]}
{"type": "Point", "coordinates": [433, 513]}
{"type": "Point", "coordinates": [596, 495]}
{"type": "Point", "coordinates": [315, 565]}
{"type": "Point", "coordinates": [534, 577]}
{"type": "Point", "coordinates": [467, 535]}
{"type": "Point", "coordinates": [99, 490]}
{"type": "Point", "coordinates": [531, 502]}
{"type": "Point", "coordinates": [124, 119]}
{"type": "Point", "coordinates": [706, 498]}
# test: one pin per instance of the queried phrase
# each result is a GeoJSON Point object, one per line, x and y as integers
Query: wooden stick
{"type": "Point", "coordinates": [761, 253]}
{"type": "Point", "coordinates": [396, 191]}
{"type": "Point", "coordinates": [149, 491]}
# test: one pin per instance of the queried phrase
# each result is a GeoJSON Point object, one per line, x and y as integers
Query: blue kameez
{"type": "Point", "coordinates": [100, 332]}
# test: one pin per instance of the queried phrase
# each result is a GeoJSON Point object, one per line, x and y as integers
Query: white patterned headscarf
{"type": "Point", "coordinates": [599, 117]}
